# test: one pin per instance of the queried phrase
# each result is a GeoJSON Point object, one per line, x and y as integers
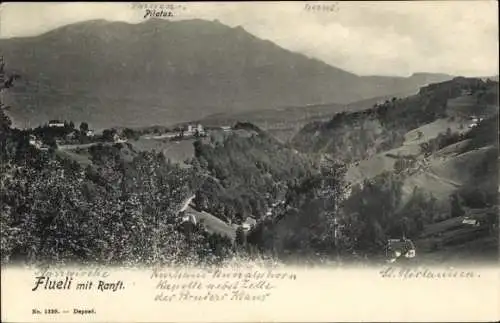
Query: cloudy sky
{"type": "Point", "coordinates": [367, 38]}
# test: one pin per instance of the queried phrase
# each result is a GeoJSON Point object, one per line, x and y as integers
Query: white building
{"type": "Point", "coordinates": [397, 248]}
{"type": "Point", "coordinates": [249, 224]}
{"type": "Point", "coordinates": [119, 139]}
{"type": "Point", "coordinates": [191, 130]}
{"type": "Point", "coordinates": [200, 130]}
{"type": "Point", "coordinates": [56, 124]}
{"type": "Point", "coordinates": [470, 221]}
{"type": "Point", "coordinates": [189, 218]}
{"type": "Point", "coordinates": [34, 141]}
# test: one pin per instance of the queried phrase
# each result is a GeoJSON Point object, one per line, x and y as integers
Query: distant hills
{"type": "Point", "coordinates": [284, 123]}
{"type": "Point", "coordinates": [360, 134]}
{"type": "Point", "coordinates": [164, 72]}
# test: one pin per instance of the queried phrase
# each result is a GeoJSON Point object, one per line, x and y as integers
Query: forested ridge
{"type": "Point", "coordinates": [248, 170]}
{"type": "Point", "coordinates": [361, 134]}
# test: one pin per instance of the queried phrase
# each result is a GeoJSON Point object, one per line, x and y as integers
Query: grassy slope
{"type": "Point", "coordinates": [381, 162]}
{"type": "Point", "coordinates": [213, 224]}
{"type": "Point", "coordinates": [176, 151]}
{"type": "Point", "coordinates": [445, 170]}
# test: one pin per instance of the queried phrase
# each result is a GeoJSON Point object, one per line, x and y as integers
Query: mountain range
{"type": "Point", "coordinates": [164, 72]}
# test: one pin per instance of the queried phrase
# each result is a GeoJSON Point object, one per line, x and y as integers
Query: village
{"type": "Point", "coordinates": [66, 136]}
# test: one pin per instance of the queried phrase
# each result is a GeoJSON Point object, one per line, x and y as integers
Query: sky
{"type": "Point", "coordinates": [366, 38]}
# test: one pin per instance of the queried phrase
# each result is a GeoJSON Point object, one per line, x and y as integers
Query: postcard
{"type": "Point", "coordinates": [249, 161]}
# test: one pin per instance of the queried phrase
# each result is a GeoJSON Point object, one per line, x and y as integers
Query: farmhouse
{"type": "Point", "coordinates": [192, 130]}
{"type": "Point", "coordinates": [397, 248]}
{"type": "Point", "coordinates": [119, 139]}
{"type": "Point", "coordinates": [471, 222]}
{"type": "Point", "coordinates": [35, 141]}
{"type": "Point", "coordinates": [474, 121]}
{"type": "Point", "coordinates": [189, 218]}
{"type": "Point", "coordinates": [249, 224]}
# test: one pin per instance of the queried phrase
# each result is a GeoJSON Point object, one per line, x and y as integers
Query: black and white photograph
{"type": "Point", "coordinates": [329, 134]}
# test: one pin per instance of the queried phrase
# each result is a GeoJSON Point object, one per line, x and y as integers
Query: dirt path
{"type": "Point", "coordinates": [81, 146]}
{"type": "Point", "coordinates": [442, 179]}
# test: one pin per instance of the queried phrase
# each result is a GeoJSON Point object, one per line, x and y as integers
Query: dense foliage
{"type": "Point", "coordinates": [115, 212]}
{"type": "Point", "coordinates": [305, 224]}
{"type": "Point", "coordinates": [371, 214]}
{"type": "Point", "coordinates": [121, 209]}
{"type": "Point", "coordinates": [375, 212]}
{"type": "Point", "coordinates": [245, 172]}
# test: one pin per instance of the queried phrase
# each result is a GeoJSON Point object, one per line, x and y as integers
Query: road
{"type": "Point", "coordinates": [82, 146]}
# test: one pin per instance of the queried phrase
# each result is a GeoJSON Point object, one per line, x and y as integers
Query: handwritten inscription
{"type": "Point", "coordinates": [159, 10]}
{"type": "Point", "coordinates": [425, 273]}
{"type": "Point", "coordinates": [158, 6]}
{"type": "Point", "coordinates": [218, 285]}
{"type": "Point", "coordinates": [96, 272]}
{"type": "Point", "coordinates": [323, 7]}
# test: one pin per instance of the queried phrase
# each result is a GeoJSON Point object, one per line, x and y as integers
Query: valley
{"type": "Point", "coordinates": [238, 149]}
{"type": "Point", "coordinates": [240, 173]}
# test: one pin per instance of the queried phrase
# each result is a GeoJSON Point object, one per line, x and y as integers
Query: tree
{"type": "Point", "coordinates": [5, 121]}
{"type": "Point", "coordinates": [50, 141]}
{"type": "Point", "coordinates": [456, 205]}
{"type": "Point", "coordinates": [240, 237]}
{"type": "Point", "coordinates": [6, 81]}
{"type": "Point", "coordinates": [84, 127]}
{"type": "Point", "coordinates": [108, 134]}
{"type": "Point", "coordinates": [399, 165]}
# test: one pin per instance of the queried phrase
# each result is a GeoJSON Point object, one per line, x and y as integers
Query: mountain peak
{"type": "Point", "coordinates": [170, 71]}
